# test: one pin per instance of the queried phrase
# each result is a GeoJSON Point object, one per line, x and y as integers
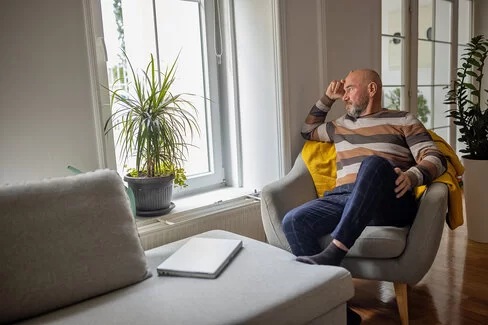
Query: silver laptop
{"type": "Point", "coordinates": [201, 257]}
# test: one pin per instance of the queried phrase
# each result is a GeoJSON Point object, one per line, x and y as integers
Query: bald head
{"type": "Point", "coordinates": [362, 92]}
{"type": "Point", "coordinates": [367, 76]}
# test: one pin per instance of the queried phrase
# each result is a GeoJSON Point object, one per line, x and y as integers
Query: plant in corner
{"type": "Point", "coordinates": [472, 118]}
{"type": "Point", "coordinates": [154, 124]}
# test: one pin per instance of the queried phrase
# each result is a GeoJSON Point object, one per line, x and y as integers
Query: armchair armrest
{"type": "Point", "coordinates": [283, 195]}
{"type": "Point", "coordinates": [426, 232]}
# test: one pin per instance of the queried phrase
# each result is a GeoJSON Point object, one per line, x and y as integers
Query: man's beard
{"type": "Point", "coordinates": [356, 110]}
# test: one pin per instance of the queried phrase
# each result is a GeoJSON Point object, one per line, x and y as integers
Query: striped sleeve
{"type": "Point", "coordinates": [431, 163]}
{"type": "Point", "coordinates": [314, 127]}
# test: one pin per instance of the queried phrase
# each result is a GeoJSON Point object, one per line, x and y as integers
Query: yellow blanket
{"type": "Point", "coordinates": [320, 158]}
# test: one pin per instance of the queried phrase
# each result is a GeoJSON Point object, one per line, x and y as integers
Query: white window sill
{"type": "Point", "coordinates": [198, 200]}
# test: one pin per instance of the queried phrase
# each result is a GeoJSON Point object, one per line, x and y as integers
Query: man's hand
{"type": "Point", "coordinates": [403, 183]}
{"type": "Point", "coordinates": [335, 90]}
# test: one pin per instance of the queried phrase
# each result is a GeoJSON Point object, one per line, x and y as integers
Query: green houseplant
{"type": "Point", "coordinates": [465, 93]}
{"type": "Point", "coordinates": [471, 115]}
{"type": "Point", "coordinates": [154, 124]}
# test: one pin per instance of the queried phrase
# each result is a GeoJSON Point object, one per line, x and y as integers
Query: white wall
{"type": "Point", "coordinates": [46, 115]}
{"type": "Point", "coordinates": [481, 27]}
{"type": "Point", "coordinates": [325, 39]}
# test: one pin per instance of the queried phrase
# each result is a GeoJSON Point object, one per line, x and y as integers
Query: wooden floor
{"type": "Point", "coordinates": [454, 291]}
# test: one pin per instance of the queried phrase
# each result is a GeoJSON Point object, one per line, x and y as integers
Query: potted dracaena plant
{"type": "Point", "coordinates": [470, 114]}
{"type": "Point", "coordinates": [154, 125]}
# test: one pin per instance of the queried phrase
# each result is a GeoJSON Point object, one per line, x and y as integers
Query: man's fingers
{"type": "Point", "coordinates": [399, 188]}
{"type": "Point", "coordinates": [400, 179]}
{"type": "Point", "coordinates": [405, 188]}
{"type": "Point", "coordinates": [335, 87]}
{"type": "Point", "coordinates": [399, 195]}
{"type": "Point", "coordinates": [335, 90]}
{"type": "Point", "coordinates": [332, 89]}
{"type": "Point", "coordinates": [403, 185]}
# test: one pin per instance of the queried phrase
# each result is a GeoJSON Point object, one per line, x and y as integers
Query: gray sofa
{"type": "Point", "coordinates": [71, 255]}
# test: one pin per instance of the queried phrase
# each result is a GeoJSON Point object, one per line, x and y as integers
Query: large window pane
{"type": "Point", "coordinates": [138, 30]}
{"type": "Point", "coordinates": [461, 51]}
{"type": "Point", "coordinates": [392, 60]}
{"type": "Point", "coordinates": [392, 97]}
{"type": "Point", "coordinates": [425, 63]}
{"type": "Point", "coordinates": [392, 18]}
{"type": "Point", "coordinates": [442, 29]}
{"type": "Point", "coordinates": [443, 132]}
{"type": "Point", "coordinates": [442, 63]}
{"type": "Point", "coordinates": [440, 109]}
{"type": "Point", "coordinates": [464, 21]}
{"type": "Point", "coordinates": [424, 107]}
{"type": "Point", "coordinates": [127, 27]}
{"type": "Point", "coordinates": [425, 20]}
{"type": "Point", "coordinates": [178, 24]}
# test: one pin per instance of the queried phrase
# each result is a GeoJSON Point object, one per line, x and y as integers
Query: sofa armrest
{"type": "Point", "coordinates": [283, 195]}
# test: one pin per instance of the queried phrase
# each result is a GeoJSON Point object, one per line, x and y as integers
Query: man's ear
{"type": "Point", "coordinates": [372, 88]}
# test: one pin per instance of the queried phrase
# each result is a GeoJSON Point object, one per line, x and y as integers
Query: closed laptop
{"type": "Point", "coordinates": [200, 257]}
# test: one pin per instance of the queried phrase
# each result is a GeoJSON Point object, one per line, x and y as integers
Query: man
{"type": "Point", "coordinates": [381, 156]}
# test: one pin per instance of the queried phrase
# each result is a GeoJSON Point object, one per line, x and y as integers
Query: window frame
{"type": "Point", "coordinates": [214, 178]}
{"type": "Point", "coordinates": [409, 98]}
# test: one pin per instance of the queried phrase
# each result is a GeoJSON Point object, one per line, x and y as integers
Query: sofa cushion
{"type": "Point", "coordinates": [261, 285]}
{"type": "Point", "coordinates": [377, 242]}
{"type": "Point", "coordinates": [65, 240]}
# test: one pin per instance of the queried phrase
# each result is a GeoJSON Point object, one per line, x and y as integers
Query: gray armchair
{"type": "Point", "coordinates": [399, 255]}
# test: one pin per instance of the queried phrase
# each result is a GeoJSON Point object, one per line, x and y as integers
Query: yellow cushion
{"type": "Point", "coordinates": [320, 158]}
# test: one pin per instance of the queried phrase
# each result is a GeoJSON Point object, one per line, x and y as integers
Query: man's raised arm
{"type": "Point", "coordinates": [314, 127]}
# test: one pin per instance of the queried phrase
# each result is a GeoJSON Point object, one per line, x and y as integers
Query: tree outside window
{"type": "Point", "coordinates": [422, 108]}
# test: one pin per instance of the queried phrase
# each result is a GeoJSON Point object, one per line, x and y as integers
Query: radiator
{"type": "Point", "coordinates": [241, 216]}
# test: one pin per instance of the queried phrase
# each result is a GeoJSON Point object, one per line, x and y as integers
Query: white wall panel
{"type": "Point", "coordinates": [325, 39]}
{"type": "Point", "coordinates": [481, 27]}
{"type": "Point", "coordinates": [46, 114]}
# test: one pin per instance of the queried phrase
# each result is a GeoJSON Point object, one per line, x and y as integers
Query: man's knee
{"type": "Point", "coordinates": [291, 220]}
{"type": "Point", "coordinates": [373, 167]}
{"type": "Point", "coordinates": [375, 161]}
{"type": "Point", "coordinates": [375, 164]}
{"type": "Point", "coordinates": [288, 221]}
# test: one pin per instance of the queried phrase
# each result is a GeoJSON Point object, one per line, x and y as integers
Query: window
{"type": "Point", "coordinates": [434, 61]}
{"type": "Point", "coordinates": [393, 54]}
{"type": "Point", "coordinates": [418, 84]}
{"type": "Point", "coordinates": [171, 29]}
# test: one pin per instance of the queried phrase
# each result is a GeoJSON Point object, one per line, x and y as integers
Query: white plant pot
{"type": "Point", "coordinates": [475, 181]}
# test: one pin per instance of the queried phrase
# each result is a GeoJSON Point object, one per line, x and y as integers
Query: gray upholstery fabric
{"type": "Point", "coordinates": [402, 256]}
{"type": "Point", "coordinates": [65, 240]}
{"type": "Point", "coordinates": [376, 242]}
{"type": "Point", "coordinates": [261, 285]}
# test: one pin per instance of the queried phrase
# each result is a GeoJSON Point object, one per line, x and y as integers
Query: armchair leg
{"type": "Point", "coordinates": [402, 303]}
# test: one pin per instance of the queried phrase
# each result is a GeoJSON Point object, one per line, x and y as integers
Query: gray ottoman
{"type": "Point", "coordinates": [262, 285]}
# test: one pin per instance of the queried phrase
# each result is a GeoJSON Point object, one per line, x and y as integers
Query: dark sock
{"type": "Point", "coordinates": [332, 255]}
{"type": "Point", "coordinates": [353, 318]}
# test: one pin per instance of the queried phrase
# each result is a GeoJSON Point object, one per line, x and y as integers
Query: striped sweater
{"type": "Point", "coordinates": [395, 135]}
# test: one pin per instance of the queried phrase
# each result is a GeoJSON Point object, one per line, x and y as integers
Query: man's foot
{"type": "Point", "coordinates": [332, 255]}
{"type": "Point", "coordinates": [353, 318]}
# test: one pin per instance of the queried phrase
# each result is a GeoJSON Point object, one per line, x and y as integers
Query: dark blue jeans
{"type": "Point", "coordinates": [345, 211]}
